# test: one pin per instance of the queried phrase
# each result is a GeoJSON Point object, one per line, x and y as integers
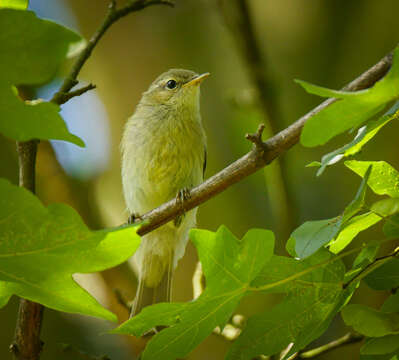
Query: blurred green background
{"type": "Point", "coordinates": [328, 42]}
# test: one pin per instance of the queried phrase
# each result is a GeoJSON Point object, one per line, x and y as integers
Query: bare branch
{"type": "Point", "coordinates": [64, 97]}
{"type": "Point", "coordinates": [256, 138]}
{"type": "Point", "coordinates": [254, 160]}
{"type": "Point", "coordinates": [112, 16]}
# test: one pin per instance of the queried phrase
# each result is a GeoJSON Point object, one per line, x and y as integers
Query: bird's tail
{"type": "Point", "coordinates": [155, 263]}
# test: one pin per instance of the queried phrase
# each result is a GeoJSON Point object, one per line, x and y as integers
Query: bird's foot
{"type": "Point", "coordinates": [132, 218]}
{"type": "Point", "coordinates": [182, 196]}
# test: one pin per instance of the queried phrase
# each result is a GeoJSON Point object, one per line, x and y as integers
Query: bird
{"type": "Point", "coordinates": [163, 156]}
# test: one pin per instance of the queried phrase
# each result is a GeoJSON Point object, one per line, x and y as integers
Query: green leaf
{"type": "Point", "coordinates": [352, 108]}
{"type": "Point", "coordinates": [391, 304]}
{"type": "Point", "coordinates": [14, 4]}
{"type": "Point", "coordinates": [32, 51]}
{"type": "Point", "coordinates": [383, 180]}
{"type": "Point", "coordinates": [382, 345]}
{"type": "Point", "coordinates": [370, 322]}
{"type": "Point", "coordinates": [162, 314]}
{"type": "Point", "coordinates": [312, 235]}
{"type": "Point", "coordinates": [41, 247]}
{"type": "Point", "coordinates": [364, 135]}
{"type": "Point", "coordinates": [391, 226]}
{"type": "Point", "coordinates": [229, 266]}
{"type": "Point", "coordinates": [386, 207]}
{"type": "Point", "coordinates": [367, 255]}
{"type": "Point", "coordinates": [315, 294]}
{"type": "Point", "coordinates": [385, 277]}
{"type": "Point", "coordinates": [351, 229]}
{"type": "Point", "coordinates": [358, 202]}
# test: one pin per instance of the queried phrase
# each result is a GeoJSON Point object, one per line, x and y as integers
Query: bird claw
{"type": "Point", "coordinates": [182, 196]}
{"type": "Point", "coordinates": [132, 218]}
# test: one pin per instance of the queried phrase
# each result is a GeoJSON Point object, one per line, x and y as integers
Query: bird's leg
{"type": "Point", "coordinates": [132, 218]}
{"type": "Point", "coordinates": [182, 195]}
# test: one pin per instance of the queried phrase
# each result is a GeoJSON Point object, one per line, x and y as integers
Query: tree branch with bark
{"type": "Point", "coordinates": [260, 156]}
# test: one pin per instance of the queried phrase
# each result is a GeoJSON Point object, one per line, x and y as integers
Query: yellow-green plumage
{"type": "Point", "coordinates": [163, 151]}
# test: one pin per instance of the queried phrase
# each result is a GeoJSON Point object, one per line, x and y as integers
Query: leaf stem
{"type": "Point", "coordinates": [347, 339]}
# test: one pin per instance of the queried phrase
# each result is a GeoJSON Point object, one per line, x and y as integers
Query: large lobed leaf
{"type": "Point", "coordinates": [314, 296]}
{"type": "Point", "coordinates": [229, 266]}
{"type": "Point", "coordinates": [338, 231]}
{"type": "Point", "coordinates": [32, 51]}
{"type": "Point", "coordinates": [41, 247]}
{"type": "Point", "coordinates": [352, 108]}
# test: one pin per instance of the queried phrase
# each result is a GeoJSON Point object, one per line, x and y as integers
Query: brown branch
{"type": "Point", "coordinates": [27, 344]}
{"type": "Point", "coordinates": [112, 16]}
{"type": "Point", "coordinates": [347, 339]}
{"type": "Point", "coordinates": [69, 95]}
{"type": "Point", "coordinates": [254, 160]}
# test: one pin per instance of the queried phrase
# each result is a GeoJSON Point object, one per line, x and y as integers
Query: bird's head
{"type": "Point", "coordinates": [175, 87]}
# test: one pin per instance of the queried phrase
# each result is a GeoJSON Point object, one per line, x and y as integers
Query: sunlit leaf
{"type": "Point", "coordinates": [383, 180]}
{"type": "Point", "coordinates": [14, 4]}
{"type": "Point", "coordinates": [41, 247]}
{"type": "Point", "coordinates": [370, 322]}
{"type": "Point", "coordinates": [386, 207]}
{"type": "Point", "coordinates": [312, 235]}
{"type": "Point", "coordinates": [32, 51]}
{"type": "Point", "coordinates": [364, 135]}
{"type": "Point", "coordinates": [351, 229]}
{"type": "Point", "coordinates": [352, 109]}
{"type": "Point", "coordinates": [229, 266]}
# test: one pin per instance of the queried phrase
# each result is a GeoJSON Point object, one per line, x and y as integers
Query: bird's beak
{"type": "Point", "coordinates": [197, 80]}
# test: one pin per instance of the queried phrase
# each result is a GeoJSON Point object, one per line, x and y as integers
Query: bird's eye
{"type": "Point", "coordinates": [171, 84]}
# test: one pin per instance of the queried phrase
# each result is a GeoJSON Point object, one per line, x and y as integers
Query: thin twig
{"type": "Point", "coordinates": [371, 267]}
{"type": "Point", "coordinates": [347, 339]}
{"type": "Point", "coordinates": [256, 138]}
{"type": "Point", "coordinates": [68, 96]}
{"type": "Point", "coordinates": [112, 16]}
{"type": "Point", "coordinates": [27, 344]}
{"type": "Point", "coordinates": [254, 160]}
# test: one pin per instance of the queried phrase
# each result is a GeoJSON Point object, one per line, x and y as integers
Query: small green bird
{"type": "Point", "coordinates": [163, 155]}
